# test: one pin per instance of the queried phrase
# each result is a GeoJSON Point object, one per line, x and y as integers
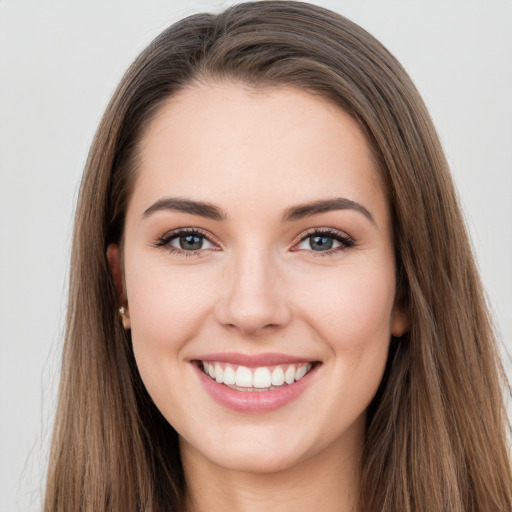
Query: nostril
{"type": "Point", "coordinates": [253, 328]}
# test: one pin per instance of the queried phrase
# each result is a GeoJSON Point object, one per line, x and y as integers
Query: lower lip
{"type": "Point", "coordinates": [254, 401]}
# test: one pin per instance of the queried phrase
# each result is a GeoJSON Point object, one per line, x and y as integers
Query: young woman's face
{"type": "Point", "coordinates": [260, 276]}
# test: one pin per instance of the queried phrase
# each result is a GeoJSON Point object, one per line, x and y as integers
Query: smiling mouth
{"type": "Point", "coordinates": [262, 378]}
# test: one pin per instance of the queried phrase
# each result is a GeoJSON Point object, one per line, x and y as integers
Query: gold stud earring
{"type": "Point", "coordinates": [122, 312]}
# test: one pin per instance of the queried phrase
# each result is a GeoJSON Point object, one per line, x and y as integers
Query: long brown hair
{"type": "Point", "coordinates": [436, 435]}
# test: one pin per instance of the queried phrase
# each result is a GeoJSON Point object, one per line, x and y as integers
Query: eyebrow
{"type": "Point", "coordinates": [323, 206]}
{"type": "Point", "coordinates": [179, 204]}
{"type": "Point", "coordinates": [212, 211]}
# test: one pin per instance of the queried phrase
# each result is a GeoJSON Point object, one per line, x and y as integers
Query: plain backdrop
{"type": "Point", "coordinates": [59, 64]}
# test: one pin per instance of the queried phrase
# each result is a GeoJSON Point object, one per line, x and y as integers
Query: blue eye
{"type": "Point", "coordinates": [325, 241]}
{"type": "Point", "coordinates": [185, 241]}
{"type": "Point", "coordinates": [321, 242]}
{"type": "Point", "coordinates": [188, 242]}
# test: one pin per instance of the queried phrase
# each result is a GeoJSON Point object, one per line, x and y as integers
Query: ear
{"type": "Point", "coordinates": [400, 323]}
{"type": "Point", "coordinates": [116, 270]}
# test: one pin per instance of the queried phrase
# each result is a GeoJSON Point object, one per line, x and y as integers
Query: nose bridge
{"type": "Point", "coordinates": [254, 296]}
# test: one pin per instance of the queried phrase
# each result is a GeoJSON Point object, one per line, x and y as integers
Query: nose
{"type": "Point", "coordinates": [254, 299]}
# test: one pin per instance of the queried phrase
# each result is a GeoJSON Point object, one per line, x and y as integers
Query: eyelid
{"type": "Point", "coordinates": [165, 239]}
{"type": "Point", "coordinates": [345, 240]}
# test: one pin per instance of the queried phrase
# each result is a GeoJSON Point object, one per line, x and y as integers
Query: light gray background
{"type": "Point", "coordinates": [59, 64]}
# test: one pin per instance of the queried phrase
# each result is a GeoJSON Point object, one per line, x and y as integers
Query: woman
{"type": "Point", "coordinates": [273, 302]}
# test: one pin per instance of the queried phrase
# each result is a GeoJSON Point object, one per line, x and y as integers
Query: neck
{"type": "Point", "coordinates": [328, 481]}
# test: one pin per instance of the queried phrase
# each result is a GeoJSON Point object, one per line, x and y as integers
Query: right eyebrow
{"type": "Point", "coordinates": [180, 204]}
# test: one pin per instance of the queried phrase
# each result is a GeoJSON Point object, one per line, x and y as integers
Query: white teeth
{"type": "Point", "coordinates": [229, 376]}
{"type": "Point", "coordinates": [243, 377]}
{"type": "Point", "coordinates": [219, 373]}
{"type": "Point", "coordinates": [262, 378]}
{"type": "Point", "coordinates": [277, 376]}
{"type": "Point", "coordinates": [289, 376]}
{"type": "Point", "coordinates": [301, 371]}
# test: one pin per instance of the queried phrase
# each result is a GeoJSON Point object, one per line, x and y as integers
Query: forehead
{"type": "Point", "coordinates": [227, 142]}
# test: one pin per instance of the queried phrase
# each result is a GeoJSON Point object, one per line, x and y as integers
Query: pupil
{"type": "Point", "coordinates": [320, 243]}
{"type": "Point", "coordinates": [191, 242]}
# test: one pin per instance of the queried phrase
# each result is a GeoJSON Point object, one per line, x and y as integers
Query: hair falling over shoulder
{"type": "Point", "coordinates": [436, 436]}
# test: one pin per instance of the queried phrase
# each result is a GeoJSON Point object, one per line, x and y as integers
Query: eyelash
{"type": "Point", "coordinates": [345, 240]}
{"type": "Point", "coordinates": [165, 240]}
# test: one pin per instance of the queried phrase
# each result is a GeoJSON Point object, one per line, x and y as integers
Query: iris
{"type": "Point", "coordinates": [191, 242]}
{"type": "Point", "coordinates": [320, 243]}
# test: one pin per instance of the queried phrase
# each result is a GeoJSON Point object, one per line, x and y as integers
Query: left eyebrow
{"type": "Point", "coordinates": [323, 206]}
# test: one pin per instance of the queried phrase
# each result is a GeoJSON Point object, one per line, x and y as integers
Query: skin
{"type": "Point", "coordinates": [257, 286]}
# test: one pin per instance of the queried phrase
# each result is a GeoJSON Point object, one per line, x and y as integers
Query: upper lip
{"type": "Point", "coordinates": [253, 360]}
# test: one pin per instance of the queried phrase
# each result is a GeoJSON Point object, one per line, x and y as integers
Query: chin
{"type": "Point", "coordinates": [252, 451]}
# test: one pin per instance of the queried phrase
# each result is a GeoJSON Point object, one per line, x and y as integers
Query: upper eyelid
{"type": "Point", "coordinates": [190, 230]}
{"type": "Point", "coordinates": [173, 233]}
{"type": "Point", "coordinates": [323, 231]}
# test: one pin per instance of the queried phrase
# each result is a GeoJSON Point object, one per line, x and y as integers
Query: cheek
{"type": "Point", "coordinates": [351, 313]}
{"type": "Point", "coordinates": [350, 310]}
{"type": "Point", "coordinates": [168, 306]}
{"type": "Point", "coordinates": [351, 306]}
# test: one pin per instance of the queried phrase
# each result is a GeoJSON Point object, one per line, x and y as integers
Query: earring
{"type": "Point", "coordinates": [125, 317]}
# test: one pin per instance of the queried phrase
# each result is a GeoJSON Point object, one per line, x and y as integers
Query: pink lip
{"type": "Point", "coordinates": [252, 361]}
{"type": "Point", "coordinates": [254, 401]}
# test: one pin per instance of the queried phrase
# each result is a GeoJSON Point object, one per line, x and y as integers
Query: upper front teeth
{"type": "Point", "coordinates": [260, 378]}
